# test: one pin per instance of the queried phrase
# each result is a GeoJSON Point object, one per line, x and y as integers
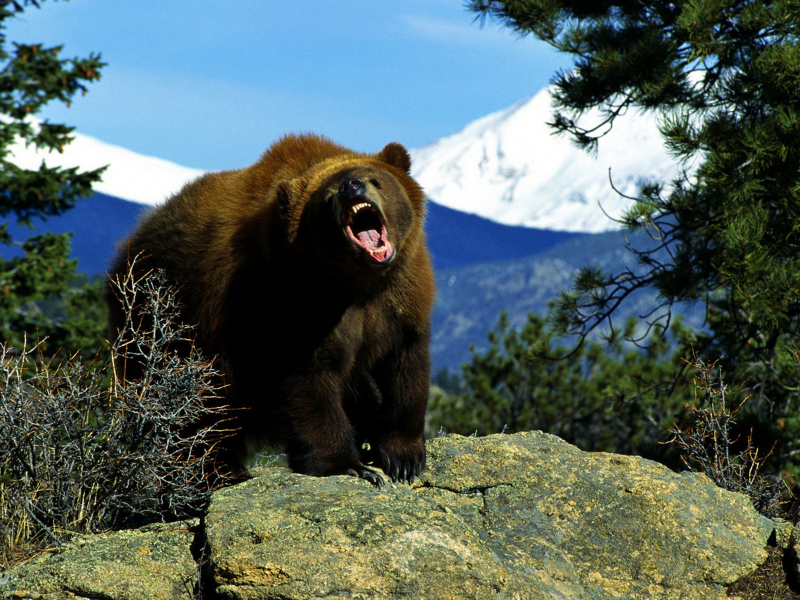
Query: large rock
{"type": "Point", "coordinates": [506, 516]}
{"type": "Point", "coordinates": [152, 563]}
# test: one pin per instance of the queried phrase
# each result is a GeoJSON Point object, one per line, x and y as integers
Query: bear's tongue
{"type": "Point", "coordinates": [370, 238]}
{"type": "Point", "coordinates": [374, 242]}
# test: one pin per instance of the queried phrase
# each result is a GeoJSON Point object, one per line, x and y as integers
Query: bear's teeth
{"type": "Point", "coordinates": [357, 207]}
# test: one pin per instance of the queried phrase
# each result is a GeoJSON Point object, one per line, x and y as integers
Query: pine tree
{"type": "Point", "coordinates": [38, 293]}
{"type": "Point", "coordinates": [605, 397]}
{"type": "Point", "coordinates": [724, 76]}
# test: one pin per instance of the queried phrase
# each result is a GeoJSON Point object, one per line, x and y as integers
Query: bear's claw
{"type": "Point", "coordinates": [368, 475]}
{"type": "Point", "coordinates": [403, 471]}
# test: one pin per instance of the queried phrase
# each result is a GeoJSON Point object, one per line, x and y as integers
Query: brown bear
{"type": "Point", "coordinates": [307, 276]}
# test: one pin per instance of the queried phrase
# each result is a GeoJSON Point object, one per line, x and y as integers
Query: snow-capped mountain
{"type": "Point", "coordinates": [133, 182]}
{"type": "Point", "coordinates": [130, 176]}
{"type": "Point", "coordinates": [509, 167]}
{"type": "Point", "coordinates": [506, 167]}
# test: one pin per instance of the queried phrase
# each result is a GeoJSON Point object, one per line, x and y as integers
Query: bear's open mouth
{"type": "Point", "coordinates": [366, 227]}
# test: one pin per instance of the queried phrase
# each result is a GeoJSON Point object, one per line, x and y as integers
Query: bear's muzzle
{"type": "Point", "coordinates": [364, 223]}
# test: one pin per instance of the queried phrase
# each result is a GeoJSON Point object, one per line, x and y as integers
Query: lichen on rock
{"type": "Point", "coordinates": [151, 563]}
{"type": "Point", "coordinates": [491, 517]}
{"type": "Point", "coordinates": [505, 516]}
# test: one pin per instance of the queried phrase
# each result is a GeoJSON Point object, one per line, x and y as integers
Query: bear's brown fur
{"type": "Point", "coordinates": [308, 278]}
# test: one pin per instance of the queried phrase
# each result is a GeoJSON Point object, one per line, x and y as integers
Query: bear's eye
{"type": "Point", "coordinates": [376, 183]}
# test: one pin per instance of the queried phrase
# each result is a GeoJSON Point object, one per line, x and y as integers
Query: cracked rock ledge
{"type": "Point", "coordinates": [504, 516]}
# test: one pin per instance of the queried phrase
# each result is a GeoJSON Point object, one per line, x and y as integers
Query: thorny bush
{"type": "Point", "coordinates": [83, 450]}
{"type": "Point", "coordinates": [710, 442]}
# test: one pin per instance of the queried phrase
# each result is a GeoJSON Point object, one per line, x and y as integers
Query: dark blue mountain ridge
{"type": "Point", "coordinates": [455, 239]}
{"type": "Point", "coordinates": [98, 224]}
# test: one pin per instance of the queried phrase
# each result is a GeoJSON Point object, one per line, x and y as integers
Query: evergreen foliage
{"type": "Point", "coordinates": [724, 76]}
{"type": "Point", "coordinates": [604, 397]}
{"type": "Point", "coordinates": [40, 295]}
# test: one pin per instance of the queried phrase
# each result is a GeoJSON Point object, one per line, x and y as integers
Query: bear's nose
{"type": "Point", "coordinates": [352, 187]}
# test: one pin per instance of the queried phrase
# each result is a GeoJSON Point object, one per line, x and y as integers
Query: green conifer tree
{"type": "Point", "coordinates": [724, 76]}
{"type": "Point", "coordinates": [38, 296]}
{"type": "Point", "coordinates": [606, 397]}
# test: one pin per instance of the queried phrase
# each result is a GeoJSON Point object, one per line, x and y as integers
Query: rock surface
{"type": "Point", "coordinates": [505, 516]}
{"type": "Point", "coordinates": [152, 563]}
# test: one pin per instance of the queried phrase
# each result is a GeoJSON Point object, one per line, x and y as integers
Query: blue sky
{"type": "Point", "coordinates": [211, 83]}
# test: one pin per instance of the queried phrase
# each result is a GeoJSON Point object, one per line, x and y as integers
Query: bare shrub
{"type": "Point", "coordinates": [711, 443]}
{"type": "Point", "coordinates": [83, 450]}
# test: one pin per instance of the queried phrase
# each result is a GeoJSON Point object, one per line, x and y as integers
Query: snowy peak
{"type": "Point", "coordinates": [509, 167]}
{"type": "Point", "coordinates": [130, 176]}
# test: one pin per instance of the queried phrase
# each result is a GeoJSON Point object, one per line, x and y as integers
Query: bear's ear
{"type": "Point", "coordinates": [289, 190]}
{"type": "Point", "coordinates": [284, 194]}
{"type": "Point", "coordinates": [396, 155]}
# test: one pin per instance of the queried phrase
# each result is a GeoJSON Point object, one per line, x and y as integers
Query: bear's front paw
{"type": "Point", "coordinates": [318, 465]}
{"type": "Point", "coordinates": [402, 461]}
